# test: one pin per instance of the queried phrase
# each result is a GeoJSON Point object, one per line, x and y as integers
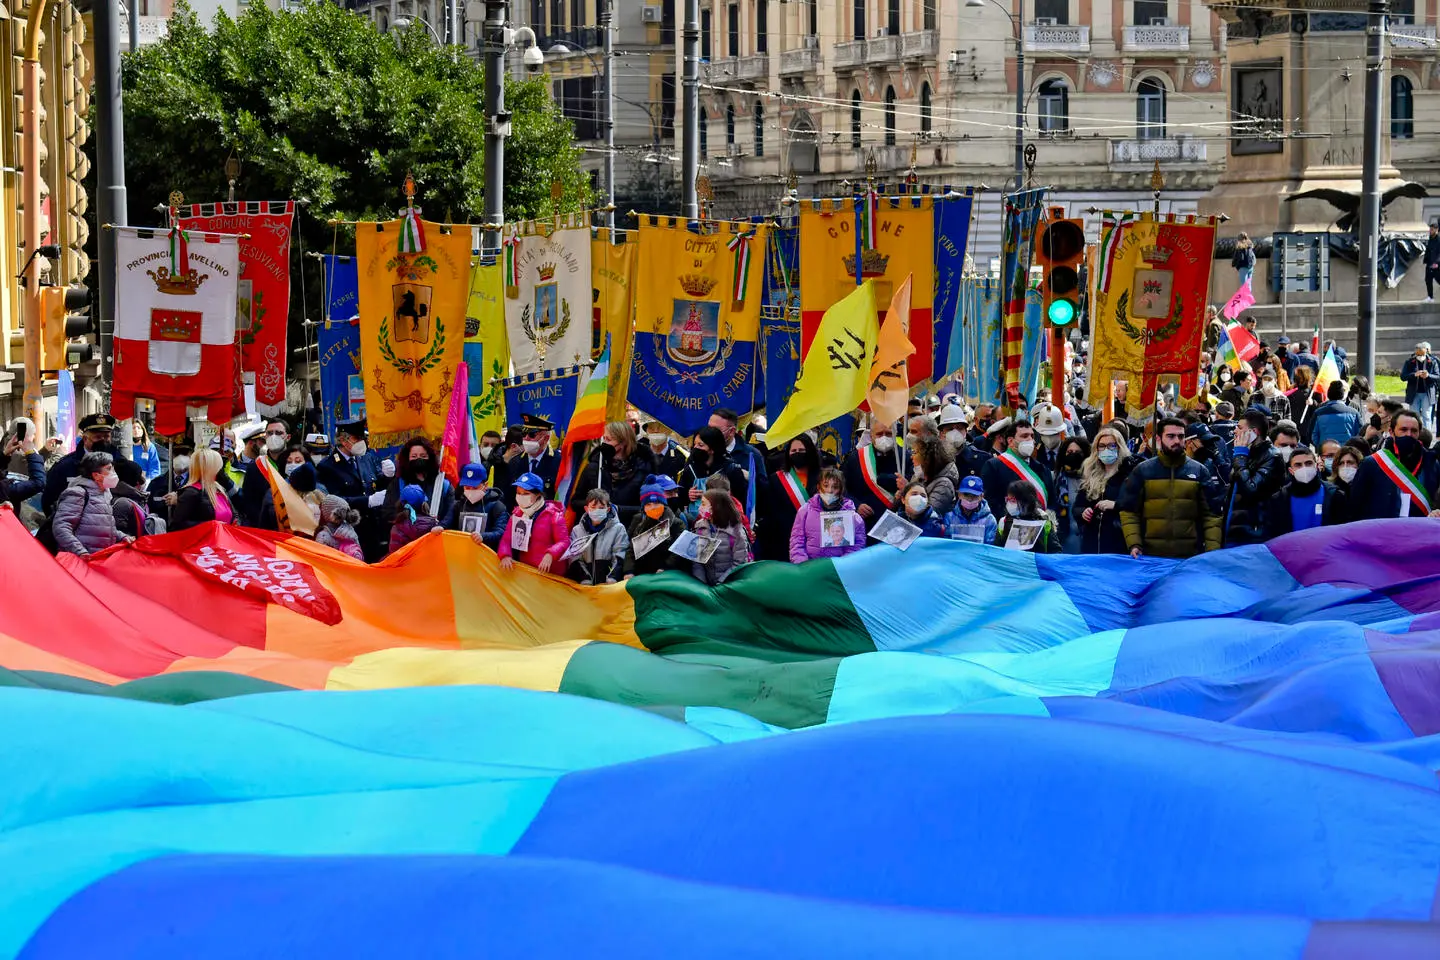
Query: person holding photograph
{"type": "Point", "coordinates": [1021, 503]}
{"type": "Point", "coordinates": [808, 538]}
{"type": "Point", "coordinates": [603, 559]}
{"type": "Point", "coordinates": [914, 505]}
{"type": "Point", "coordinates": [971, 519]}
{"type": "Point", "coordinates": [478, 500]}
{"type": "Point", "coordinates": [721, 520]}
{"type": "Point", "coordinates": [791, 484]}
{"type": "Point", "coordinates": [655, 513]}
{"type": "Point", "coordinates": [536, 533]}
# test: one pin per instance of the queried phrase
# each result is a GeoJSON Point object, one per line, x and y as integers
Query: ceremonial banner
{"type": "Point", "coordinates": [339, 342]}
{"type": "Point", "coordinates": [836, 373]}
{"type": "Point", "coordinates": [1035, 346]}
{"type": "Point", "coordinates": [780, 319]}
{"type": "Point", "coordinates": [612, 270]}
{"type": "Point", "coordinates": [412, 327]}
{"type": "Point", "coordinates": [952, 235]}
{"type": "Point", "coordinates": [487, 348]}
{"type": "Point", "coordinates": [831, 253]}
{"type": "Point", "coordinates": [697, 318]}
{"type": "Point", "coordinates": [262, 308]}
{"type": "Point", "coordinates": [1022, 213]}
{"type": "Point", "coordinates": [1150, 322]}
{"type": "Point", "coordinates": [551, 395]}
{"type": "Point", "coordinates": [175, 324]}
{"type": "Point", "coordinates": [976, 340]}
{"type": "Point", "coordinates": [548, 296]}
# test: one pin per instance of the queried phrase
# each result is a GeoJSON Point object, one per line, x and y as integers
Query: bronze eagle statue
{"type": "Point", "coordinates": [1348, 202]}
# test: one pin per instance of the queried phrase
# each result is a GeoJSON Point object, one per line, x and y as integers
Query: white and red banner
{"type": "Point", "coordinates": [175, 337]}
{"type": "Point", "coordinates": [263, 293]}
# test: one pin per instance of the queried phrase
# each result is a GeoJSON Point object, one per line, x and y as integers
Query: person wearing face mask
{"type": "Point", "coordinates": [299, 474]}
{"type": "Point", "coordinates": [1017, 462]}
{"type": "Point", "coordinates": [536, 534]}
{"type": "Point", "coordinates": [1168, 505]}
{"type": "Point", "coordinates": [354, 473]}
{"type": "Point", "coordinates": [914, 505]}
{"type": "Point", "coordinates": [971, 519]}
{"type": "Point", "coordinates": [794, 482]}
{"type": "Point", "coordinates": [1022, 503]}
{"type": "Point", "coordinates": [1401, 480]}
{"type": "Point", "coordinates": [1278, 403]}
{"type": "Point", "coordinates": [535, 456]}
{"type": "Point", "coordinates": [707, 458]}
{"type": "Point", "coordinates": [1049, 423]}
{"type": "Point", "coordinates": [1102, 479]}
{"type": "Point", "coordinates": [969, 459]}
{"type": "Point", "coordinates": [1329, 450]}
{"type": "Point", "coordinates": [654, 512]}
{"type": "Point", "coordinates": [1332, 421]}
{"type": "Point", "coordinates": [1237, 394]}
{"type": "Point", "coordinates": [417, 464]}
{"type": "Point", "coordinates": [1347, 464]}
{"type": "Point", "coordinates": [84, 521]}
{"type": "Point", "coordinates": [143, 451]}
{"type": "Point", "coordinates": [603, 558]}
{"type": "Point", "coordinates": [256, 489]}
{"type": "Point", "coordinates": [490, 449]}
{"type": "Point", "coordinates": [1256, 473]}
{"type": "Point", "coordinates": [1070, 459]}
{"type": "Point", "coordinates": [479, 499]}
{"type": "Point", "coordinates": [935, 467]}
{"type": "Point", "coordinates": [1421, 373]}
{"type": "Point", "coordinates": [1202, 446]}
{"type": "Point", "coordinates": [871, 471]}
{"type": "Point", "coordinates": [667, 455]}
{"type": "Point", "coordinates": [317, 446]}
{"type": "Point", "coordinates": [618, 465]}
{"type": "Point", "coordinates": [202, 499]}
{"type": "Point", "coordinates": [1306, 501]}
{"type": "Point", "coordinates": [96, 436]}
{"type": "Point", "coordinates": [808, 537]}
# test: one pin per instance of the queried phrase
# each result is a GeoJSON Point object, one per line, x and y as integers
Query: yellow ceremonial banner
{"type": "Point", "coordinates": [611, 271]}
{"type": "Point", "coordinates": [1114, 354]}
{"type": "Point", "coordinates": [412, 327]}
{"type": "Point", "coordinates": [904, 235]}
{"type": "Point", "coordinates": [889, 394]}
{"type": "Point", "coordinates": [836, 373]}
{"type": "Point", "coordinates": [487, 349]}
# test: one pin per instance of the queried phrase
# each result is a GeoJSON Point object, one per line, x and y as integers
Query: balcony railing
{"type": "Point", "coordinates": [1057, 38]}
{"type": "Point", "coordinates": [799, 61]}
{"type": "Point", "coordinates": [920, 45]}
{"type": "Point", "coordinates": [850, 54]}
{"type": "Point", "coordinates": [1156, 39]}
{"type": "Point", "coordinates": [882, 49]}
{"type": "Point", "coordinates": [754, 67]}
{"type": "Point", "coordinates": [1411, 36]}
{"type": "Point", "coordinates": [1166, 150]}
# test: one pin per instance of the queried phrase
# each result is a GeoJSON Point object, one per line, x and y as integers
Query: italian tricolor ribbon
{"type": "Point", "coordinates": [869, 219]}
{"type": "Point", "coordinates": [1403, 479]}
{"type": "Point", "coordinates": [412, 232]}
{"type": "Point", "coordinates": [1110, 245]}
{"type": "Point", "coordinates": [179, 252]}
{"type": "Point", "coordinates": [794, 489]}
{"type": "Point", "coordinates": [1024, 472]}
{"type": "Point", "coordinates": [870, 472]}
{"type": "Point", "coordinates": [740, 245]}
{"type": "Point", "coordinates": [512, 261]}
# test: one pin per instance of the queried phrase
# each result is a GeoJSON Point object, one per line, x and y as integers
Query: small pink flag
{"type": "Point", "coordinates": [1244, 299]}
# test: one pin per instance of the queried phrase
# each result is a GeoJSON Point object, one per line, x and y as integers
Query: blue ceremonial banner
{"type": "Point", "coordinates": [952, 235]}
{"type": "Point", "coordinates": [551, 395]}
{"type": "Point", "coordinates": [342, 391]}
{"type": "Point", "coordinates": [975, 341]}
{"type": "Point", "coordinates": [1036, 346]}
{"type": "Point", "coordinates": [780, 320]}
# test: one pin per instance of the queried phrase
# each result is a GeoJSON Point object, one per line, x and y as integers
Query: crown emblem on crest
{"type": "Point", "coordinates": [173, 328]}
{"type": "Point", "coordinates": [180, 284]}
{"type": "Point", "coordinates": [696, 284]}
{"type": "Point", "coordinates": [1155, 254]}
{"type": "Point", "coordinates": [872, 264]}
{"type": "Point", "coordinates": [546, 271]}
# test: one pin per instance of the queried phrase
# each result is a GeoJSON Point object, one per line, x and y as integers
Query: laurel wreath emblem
{"type": "Point", "coordinates": [727, 339]}
{"type": "Point", "coordinates": [544, 341]}
{"type": "Point", "coordinates": [406, 365]}
{"type": "Point", "coordinates": [1143, 335]}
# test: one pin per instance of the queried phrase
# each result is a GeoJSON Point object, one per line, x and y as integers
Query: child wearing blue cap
{"type": "Point", "coordinates": [412, 517]}
{"type": "Point", "coordinates": [971, 519]}
{"type": "Point", "coordinates": [536, 534]}
{"type": "Point", "coordinates": [652, 552]}
{"type": "Point", "coordinates": [479, 510]}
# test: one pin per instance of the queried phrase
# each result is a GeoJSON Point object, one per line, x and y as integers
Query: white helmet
{"type": "Point", "coordinates": [1048, 419]}
{"type": "Point", "coordinates": [951, 414]}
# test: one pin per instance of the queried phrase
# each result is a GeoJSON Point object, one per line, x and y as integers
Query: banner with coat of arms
{"type": "Point", "coordinates": [1149, 311]}
{"type": "Point", "coordinates": [412, 326]}
{"type": "Point", "coordinates": [487, 350]}
{"type": "Point", "coordinates": [884, 238]}
{"type": "Point", "coordinates": [612, 269]}
{"type": "Point", "coordinates": [175, 339]}
{"type": "Point", "coordinates": [548, 295]}
{"type": "Point", "coordinates": [697, 319]}
{"type": "Point", "coordinates": [342, 389]}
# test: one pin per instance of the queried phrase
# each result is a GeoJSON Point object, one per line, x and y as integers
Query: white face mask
{"type": "Point", "coordinates": [486, 451]}
{"type": "Point", "coordinates": [110, 481]}
{"type": "Point", "coordinates": [1329, 464]}
{"type": "Point", "coordinates": [1304, 474]}
{"type": "Point", "coordinates": [597, 514]}
{"type": "Point", "coordinates": [1347, 472]}
{"type": "Point", "coordinates": [956, 437]}
{"type": "Point", "coordinates": [657, 440]}
{"type": "Point", "coordinates": [1051, 440]}
{"type": "Point", "coordinates": [916, 502]}
{"type": "Point", "coordinates": [532, 447]}
{"type": "Point", "coordinates": [1024, 447]}
{"type": "Point", "coordinates": [883, 444]}
{"type": "Point", "coordinates": [525, 500]}
{"type": "Point", "coordinates": [1012, 508]}
{"type": "Point", "coordinates": [1284, 453]}
{"type": "Point", "coordinates": [829, 499]}
{"type": "Point", "coordinates": [1108, 456]}
{"type": "Point", "coordinates": [314, 511]}
{"type": "Point", "coordinates": [274, 442]}
{"type": "Point", "coordinates": [290, 468]}
{"type": "Point", "coordinates": [182, 464]}
{"type": "Point", "coordinates": [315, 458]}
{"type": "Point", "coordinates": [474, 494]}
{"type": "Point", "coordinates": [359, 449]}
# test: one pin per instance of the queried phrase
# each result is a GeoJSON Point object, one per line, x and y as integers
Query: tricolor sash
{"type": "Point", "coordinates": [794, 489]}
{"type": "Point", "coordinates": [1403, 478]}
{"type": "Point", "coordinates": [870, 471]}
{"type": "Point", "coordinates": [1024, 472]}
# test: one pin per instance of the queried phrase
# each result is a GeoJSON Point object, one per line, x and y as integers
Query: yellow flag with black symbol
{"type": "Point", "coordinates": [835, 376]}
{"type": "Point", "coordinates": [412, 327]}
{"type": "Point", "coordinates": [487, 349]}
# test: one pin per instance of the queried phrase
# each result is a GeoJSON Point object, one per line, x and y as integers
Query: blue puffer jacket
{"type": "Point", "coordinates": [1334, 420]}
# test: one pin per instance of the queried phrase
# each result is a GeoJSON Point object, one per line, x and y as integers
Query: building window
{"type": "Point", "coordinates": [1402, 108]}
{"type": "Point", "coordinates": [928, 16]}
{"type": "Point", "coordinates": [1148, 12]}
{"type": "Point", "coordinates": [857, 19]}
{"type": "Point", "coordinates": [576, 96]}
{"type": "Point", "coordinates": [667, 22]}
{"type": "Point", "coordinates": [892, 18]}
{"type": "Point", "coordinates": [855, 119]}
{"type": "Point", "coordinates": [732, 30]}
{"type": "Point", "coordinates": [762, 16]}
{"type": "Point", "coordinates": [667, 107]}
{"type": "Point", "coordinates": [704, 135]}
{"type": "Point", "coordinates": [759, 129]}
{"type": "Point", "coordinates": [889, 116]}
{"type": "Point", "coordinates": [577, 14]}
{"type": "Point", "coordinates": [926, 120]}
{"type": "Point", "coordinates": [730, 125]}
{"type": "Point", "coordinates": [1057, 10]}
{"type": "Point", "coordinates": [1150, 110]}
{"type": "Point", "coordinates": [812, 9]}
{"type": "Point", "coordinates": [557, 16]}
{"type": "Point", "coordinates": [705, 23]}
{"type": "Point", "coordinates": [384, 22]}
{"type": "Point", "coordinates": [1402, 11]}
{"type": "Point", "coordinates": [1054, 106]}
{"type": "Point", "coordinates": [537, 17]}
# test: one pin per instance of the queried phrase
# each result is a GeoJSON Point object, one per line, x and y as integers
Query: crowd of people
{"type": "Point", "coordinates": [1258, 457]}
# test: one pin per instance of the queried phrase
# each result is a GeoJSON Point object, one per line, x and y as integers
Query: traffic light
{"type": "Point", "coordinates": [1059, 250]}
{"type": "Point", "coordinates": [66, 326]}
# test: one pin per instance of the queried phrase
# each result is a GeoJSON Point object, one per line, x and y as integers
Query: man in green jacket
{"type": "Point", "coordinates": [1167, 506]}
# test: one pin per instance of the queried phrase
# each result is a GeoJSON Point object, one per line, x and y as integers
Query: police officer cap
{"type": "Point", "coordinates": [97, 421]}
{"type": "Point", "coordinates": [352, 428]}
{"type": "Point", "coordinates": [532, 422]}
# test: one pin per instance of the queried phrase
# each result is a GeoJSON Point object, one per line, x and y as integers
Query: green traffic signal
{"type": "Point", "coordinates": [1060, 312]}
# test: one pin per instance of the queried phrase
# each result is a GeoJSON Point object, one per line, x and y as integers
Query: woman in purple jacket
{"type": "Point", "coordinates": [827, 524]}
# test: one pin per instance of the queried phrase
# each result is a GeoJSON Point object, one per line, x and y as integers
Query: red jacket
{"type": "Point", "coordinates": [548, 534]}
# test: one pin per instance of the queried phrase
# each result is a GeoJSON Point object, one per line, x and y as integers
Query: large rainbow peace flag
{"type": "Point", "coordinates": [223, 743]}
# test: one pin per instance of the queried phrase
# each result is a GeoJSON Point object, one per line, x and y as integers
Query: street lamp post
{"type": "Point", "coordinates": [607, 119]}
{"type": "Point", "coordinates": [1017, 21]}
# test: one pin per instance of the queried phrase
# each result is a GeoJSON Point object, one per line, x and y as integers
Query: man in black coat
{"type": "Point", "coordinates": [1005, 468]}
{"type": "Point", "coordinates": [871, 474]}
{"type": "Point", "coordinates": [1404, 474]}
{"type": "Point", "coordinates": [97, 436]}
{"type": "Point", "coordinates": [352, 472]}
{"type": "Point", "coordinates": [1432, 262]}
{"type": "Point", "coordinates": [1257, 472]}
{"type": "Point", "coordinates": [256, 489]}
{"type": "Point", "coordinates": [535, 457]}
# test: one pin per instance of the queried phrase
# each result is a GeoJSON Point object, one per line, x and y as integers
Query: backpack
{"type": "Point", "coordinates": [45, 533]}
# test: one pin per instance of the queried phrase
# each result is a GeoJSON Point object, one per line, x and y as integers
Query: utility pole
{"type": "Point", "coordinates": [690, 149]}
{"type": "Point", "coordinates": [454, 22]}
{"type": "Point", "coordinates": [30, 161]}
{"type": "Point", "coordinates": [132, 9]}
{"type": "Point", "coordinates": [1370, 187]}
{"type": "Point", "coordinates": [606, 17]}
{"type": "Point", "coordinates": [112, 204]}
{"type": "Point", "coordinates": [1019, 95]}
{"type": "Point", "coordinates": [497, 125]}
